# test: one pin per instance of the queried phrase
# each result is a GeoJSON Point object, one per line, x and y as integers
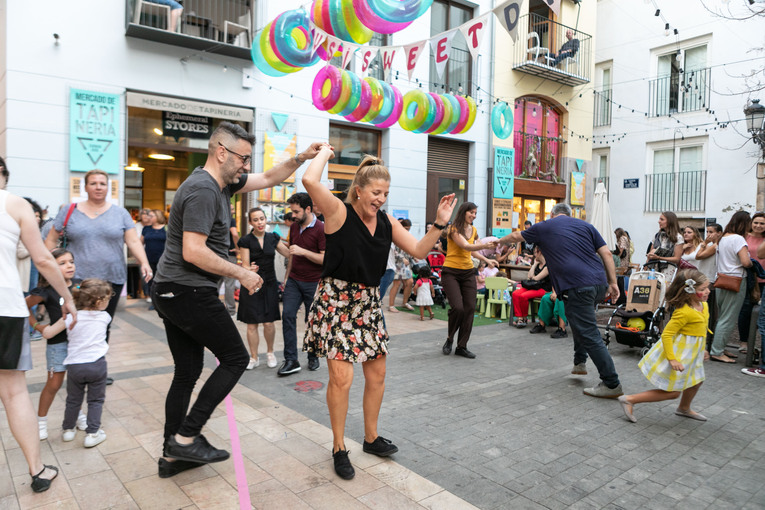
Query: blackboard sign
{"type": "Point", "coordinates": [711, 221]}
{"type": "Point", "coordinates": [182, 125]}
{"type": "Point", "coordinates": [631, 183]}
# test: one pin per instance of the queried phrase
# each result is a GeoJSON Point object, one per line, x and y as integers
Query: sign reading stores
{"type": "Point", "coordinates": [94, 131]}
{"type": "Point", "coordinates": [180, 125]}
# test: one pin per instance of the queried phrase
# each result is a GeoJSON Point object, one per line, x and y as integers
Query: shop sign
{"type": "Point", "coordinates": [504, 163]}
{"type": "Point", "coordinates": [174, 104]}
{"type": "Point", "coordinates": [94, 131]}
{"type": "Point", "coordinates": [631, 183]}
{"type": "Point", "coordinates": [502, 219]}
{"type": "Point", "coordinates": [182, 125]}
{"type": "Point", "coordinates": [577, 188]}
{"type": "Point", "coordinates": [710, 221]}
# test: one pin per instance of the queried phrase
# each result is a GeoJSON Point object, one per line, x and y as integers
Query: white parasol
{"type": "Point", "coordinates": [601, 216]}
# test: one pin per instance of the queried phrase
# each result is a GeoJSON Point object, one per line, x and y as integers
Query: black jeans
{"type": "Point", "coordinates": [111, 309]}
{"type": "Point", "coordinates": [580, 311]}
{"type": "Point", "coordinates": [196, 318]}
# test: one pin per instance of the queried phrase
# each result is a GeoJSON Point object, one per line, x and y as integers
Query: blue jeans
{"type": "Point", "coordinates": [296, 293]}
{"type": "Point", "coordinates": [580, 311]}
{"type": "Point", "coordinates": [385, 281]}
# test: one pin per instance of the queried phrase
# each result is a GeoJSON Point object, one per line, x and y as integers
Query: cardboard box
{"type": "Point", "coordinates": [643, 295]}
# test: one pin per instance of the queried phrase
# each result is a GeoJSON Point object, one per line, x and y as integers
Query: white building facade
{"type": "Point", "coordinates": [153, 91]}
{"type": "Point", "coordinates": [669, 133]}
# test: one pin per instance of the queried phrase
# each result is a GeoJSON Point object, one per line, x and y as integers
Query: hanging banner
{"type": "Point", "coordinates": [368, 54]}
{"type": "Point", "coordinates": [554, 5]}
{"type": "Point", "coordinates": [333, 45]}
{"type": "Point", "coordinates": [94, 131]}
{"type": "Point", "coordinates": [412, 54]}
{"type": "Point", "coordinates": [508, 15]}
{"type": "Point", "coordinates": [473, 32]}
{"type": "Point", "coordinates": [442, 47]}
{"type": "Point", "coordinates": [388, 53]}
{"type": "Point", "coordinates": [577, 188]}
{"type": "Point", "coordinates": [348, 50]}
{"type": "Point", "coordinates": [319, 36]}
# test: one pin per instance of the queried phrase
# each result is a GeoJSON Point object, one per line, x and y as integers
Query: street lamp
{"type": "Point", "coordinates": [755, 122]}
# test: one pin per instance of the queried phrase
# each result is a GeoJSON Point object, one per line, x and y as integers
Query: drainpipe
{"type": "Point", "coordinates": [489, 151]}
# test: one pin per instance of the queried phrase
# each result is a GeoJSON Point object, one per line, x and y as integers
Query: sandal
{"type": "Point", "coordinates": [730, 354]}
{"type": "Point", "coordinates": [43, 484]}
{"type": "Point", "coordinates": [521, 323]}
{"type": "Point", "coordinates": [393, 309]}
{"type": "Point", "coordinates": [431, 316]}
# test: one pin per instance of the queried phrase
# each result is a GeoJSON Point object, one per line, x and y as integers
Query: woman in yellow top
{"type": "Point", "coordinates": [458, 277]}
{"type": "Point", "coordinates": [676, 364]}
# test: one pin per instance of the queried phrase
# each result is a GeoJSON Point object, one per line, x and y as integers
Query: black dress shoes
{"type": "Point", "coordinates": [198, 451]}
{"type": "Point", "coordinates": [343, 466]}
{"type": "Point", "coordinates": [462, 351]}
{"type": "Point", "coordinates": [290, 366]}
{"type": "Point", "coordinates": [313, 364]}
{"type": "Point", "coordinates": [447, 348]}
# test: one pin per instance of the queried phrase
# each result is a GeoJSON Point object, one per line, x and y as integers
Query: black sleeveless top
{"type": "Point", "coordinates": [353, 254]}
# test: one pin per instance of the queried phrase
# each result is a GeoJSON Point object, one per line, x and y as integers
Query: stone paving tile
{"type": "Point", "coordinates": [101, 490]}
{"type": "Point", "coordinates": [212, 494]}
{"type": "Point", "coordinates": [154, 493]}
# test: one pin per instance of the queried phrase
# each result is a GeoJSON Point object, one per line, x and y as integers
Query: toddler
{"type": "Point", "coordinates": [86, 358]}
{"type": "Point", "coordinates": [425, 292]}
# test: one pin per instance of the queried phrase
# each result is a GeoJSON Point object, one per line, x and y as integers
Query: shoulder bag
{"type": "Point", "coordinates": [63, 240]}
{"type": "Point", "coordinates": [731, 283]}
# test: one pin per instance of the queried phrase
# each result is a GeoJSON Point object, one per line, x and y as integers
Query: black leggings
{"type": "Point", "coordinates": [461, 291]}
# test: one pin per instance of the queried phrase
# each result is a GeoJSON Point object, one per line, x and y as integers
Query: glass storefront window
{"type": "Point", "coordinates": [351, 144]}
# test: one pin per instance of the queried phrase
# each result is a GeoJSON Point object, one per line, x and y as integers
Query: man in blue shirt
{"type": "Point", "coordinates": [576, 255]}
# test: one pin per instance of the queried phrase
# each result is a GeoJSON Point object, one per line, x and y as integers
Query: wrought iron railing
{"type": "Point", "coordinates": [602, 112]}
{"type": "Point", "coordinates": [681, 191]}
{"type": "Point", "coordinates": [541, 50]}
{"type": "Point", "coordinates": [537, 157]}
{"type": "Point", "coordinates": [685, 91]}
{"type": "Point", "coordinates": [457, 77]}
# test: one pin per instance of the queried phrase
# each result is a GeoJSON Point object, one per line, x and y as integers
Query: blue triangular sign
{"type": "Point", "coordinates": [280, 119]}
{"type": "Point", "coordinates": [579, 163]}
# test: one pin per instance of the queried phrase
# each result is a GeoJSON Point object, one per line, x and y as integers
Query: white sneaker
{"type": "Point", "coordinates": [94, 439]}
{"type": "Point", "coordinates": [69, 434]}
{"type": "Point", "coordinates": [271, 360]}
{"type": "Point", "coordinates": [254, 363]}
{"type": "Point", "coordinates": [82, 421]}
{"type": "Point", "coordinates": [42, 425]}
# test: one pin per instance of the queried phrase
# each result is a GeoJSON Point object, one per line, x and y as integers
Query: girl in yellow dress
{"type": "Point", "coordinates": [676, 364]}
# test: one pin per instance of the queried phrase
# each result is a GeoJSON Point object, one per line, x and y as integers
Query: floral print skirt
{"type": "Point", "coordinates": [346, 322]}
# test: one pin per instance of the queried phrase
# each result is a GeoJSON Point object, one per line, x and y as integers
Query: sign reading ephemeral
{"type": "Point", "coordinates": [183, 125]}
{"type": "Point", "coordinates": [94, 131]}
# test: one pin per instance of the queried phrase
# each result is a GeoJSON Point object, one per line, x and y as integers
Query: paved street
{"type": "Point", "coordinates": [510, 429]}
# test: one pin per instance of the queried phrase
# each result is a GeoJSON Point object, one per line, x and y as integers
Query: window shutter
{"type": "Point", "coordinates": [448, 156]}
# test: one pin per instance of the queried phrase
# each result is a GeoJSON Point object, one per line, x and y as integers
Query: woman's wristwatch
{"type": "Point", "coordinates": [298, 160]}
{"type": "Point", "coordinates": [439, 227]}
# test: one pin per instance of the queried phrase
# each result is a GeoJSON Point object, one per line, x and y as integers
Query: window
{"type": "Point", "coordinates": [375, 69]}
{"type": "Point", "coordinates": [603, 98]}
{"type": "Point", "coordinates": [601, 160]}
{"type": "Point", "coordinates": [351, 144]}
{"type": "Point", "coordinates": [445, 15]}
{"type": "Point", "coordinates": [677, 181]}
{"type": "Point", "coordinates": [537, 140]}
{"type": "Point", "coordinates": [682, 83]}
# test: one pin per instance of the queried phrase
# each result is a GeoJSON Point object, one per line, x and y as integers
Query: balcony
{"type": "Point", "coordinates": [679, 91]}
{"type": "Point", "coordinates": [537, 157]}
{"type": "Point", "coordinates": [602, 111]}
{"type": "Point", "coordinates": [540, 40]}
{"type": "Point", "coordinates": [223, 27]}
{"type": "Point", "coordinates": [681, 191]}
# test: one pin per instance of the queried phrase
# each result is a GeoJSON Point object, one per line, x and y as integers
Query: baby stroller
{"type": "Point", "coordinates": [638, 322]}
{"type": "Point", "coordinates": [435, 280]}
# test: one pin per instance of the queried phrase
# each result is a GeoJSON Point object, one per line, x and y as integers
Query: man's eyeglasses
{"type": "Point", "coordinates": [245, 159]}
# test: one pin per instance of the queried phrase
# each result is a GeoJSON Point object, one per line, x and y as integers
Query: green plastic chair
{"type": "Point", "coordinates": [495, 286]}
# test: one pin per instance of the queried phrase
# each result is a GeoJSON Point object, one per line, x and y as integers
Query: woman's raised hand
{"type": "Point", "coordinates": [446, 208]}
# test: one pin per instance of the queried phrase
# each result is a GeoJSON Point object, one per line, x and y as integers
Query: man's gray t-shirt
{"type": "Point", "coordinates": [97, 244]}
{"type": "Point", "coordinates": [199, 206]}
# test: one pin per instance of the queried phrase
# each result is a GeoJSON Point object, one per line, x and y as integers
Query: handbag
{"type": "Point", "coordinates": [63, 241]}
{"type": "Point", "coordinates": [731, 283]}
{"type": "Point", "coordinates": [532, 284]}
{"type": "Point", "coordinates": [684, 264]}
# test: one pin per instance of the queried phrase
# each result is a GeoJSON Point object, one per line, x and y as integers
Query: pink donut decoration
{"type": "Point", "coordinates": [439, 113]}
{"type": "Point", "coordinates": [327, 87]}
{"type": "Point", "coordinates": [365, 103]}
{"type": "Point", "coordinates": [398, 106]}
{"type": "Point", "coordinates": [464, 115]}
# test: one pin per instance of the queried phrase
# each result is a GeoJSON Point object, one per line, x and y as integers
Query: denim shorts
{"type": "Point", "coordinates": [170, 3]}
{"type": "Point", "coordinates": [54, 357]}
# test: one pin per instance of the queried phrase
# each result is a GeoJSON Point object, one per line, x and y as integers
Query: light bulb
{"type": "Point", "coordinates": [666, 29]}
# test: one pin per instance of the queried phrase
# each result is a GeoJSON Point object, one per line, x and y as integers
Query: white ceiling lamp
{"type": "Point", "coordinates": [133, 167]}
{"type": "Point", "coordinates": [162, 157]}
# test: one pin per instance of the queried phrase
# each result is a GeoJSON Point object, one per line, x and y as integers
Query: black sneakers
{"type": "Point", "coordinates": [313, 364]}
{"type": "Point", "coordinates": [464, 352]}
{"type": "Point", "coordinates": [559, 333]}
{"type": "Point", "coordinates": [538, 328]}
{"type": "Point", "coordinates": [381, 447]}
{"type": "Point", "coordinates": [447, 348]}
{"type": "Point", "coordinates": [343, 466]}
{"type": "Point", "coordinates": [198, 451]}
{"type": "Point", "coordinates": [290, 366]}
{"type": "Point", "coordinates": [166, 468]}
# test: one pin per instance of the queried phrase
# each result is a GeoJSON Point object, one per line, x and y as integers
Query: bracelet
{"type": "Point", "coordinates": [296, 157]}
{"type": "Point", "coordinates": [439, 227]}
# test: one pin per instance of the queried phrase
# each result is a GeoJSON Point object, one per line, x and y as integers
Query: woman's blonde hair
{"type": "Point", "coordinates": [370, 169]}
{"type": "Point", "coordinates": [696, 236]}
{"type": "Point", "coordinates": [95, 172]}
{"type": "Point", "coordinates": [90, 292]}
{"type": "Point", "coordinates": [160, 214]}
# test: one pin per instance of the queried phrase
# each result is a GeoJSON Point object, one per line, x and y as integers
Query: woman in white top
{"type": "Point", "coordinates": [691, 245]}
{"type": "Point", "coordinates": [17, 221]}
{"type": "Point", "coordinates": [732, 258]}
